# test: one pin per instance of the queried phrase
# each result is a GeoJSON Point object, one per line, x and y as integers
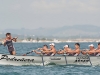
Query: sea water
{"type": "Point", "coordinates": [22, 48]}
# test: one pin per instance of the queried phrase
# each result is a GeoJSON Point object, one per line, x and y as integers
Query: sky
{"type": "Point", "coordinates": [32, 14]}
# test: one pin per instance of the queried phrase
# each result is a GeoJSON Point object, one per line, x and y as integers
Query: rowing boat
{"type": "Point", "coordinates": [46, 60]}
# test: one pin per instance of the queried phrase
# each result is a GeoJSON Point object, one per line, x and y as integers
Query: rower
{"type": "Point", "coordinates": [75, 52]}
{"type": "Point", "coordinates": [45, 48]}
{"type": "Point", "coordinates": [9, 42]}
{"type": "Point", "coordinates": [97, 52]}
{"type": "Point", "coordinates": [66, 49]}
{"type": "Point", "coordinates": [52, 50]}
{"type": "Point", "coordinates": [91, 50]}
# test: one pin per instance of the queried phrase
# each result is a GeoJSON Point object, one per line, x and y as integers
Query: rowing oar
{"type": "Point", "coordinates": [27, 53]}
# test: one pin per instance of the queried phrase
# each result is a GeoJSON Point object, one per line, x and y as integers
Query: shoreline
{"type": "Point", "coordinates": [57, 41]}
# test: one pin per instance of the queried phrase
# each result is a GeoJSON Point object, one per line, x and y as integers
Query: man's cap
{"type": "Point", "coordinates": [66, 46]}
{"type": "Point", "coordinates": [91, 45]}
{"type": "Point", "coordinates": [52, 44]}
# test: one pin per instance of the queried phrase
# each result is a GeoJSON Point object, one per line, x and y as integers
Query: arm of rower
{"type": "Point", "coordinates": [70, 51]}
{"type": "Point", "coordinates": [61, 52]}
{"type": "Point", "coordinates": [89, 52]}
{"type": "Point", "coordinates": [97, 51]}
{"type": "Point", "coordinates": [4, 42]}
{"type": "Point", "coordinates": [40, 48]}
{"type": "Point", "coordinates": [37, 52]}
{"type": "Point", "coordinates": [14, 39]}
{"type": "Point", "coordinates": [48, 51]}
{"type": "Point", "coordinates": [76, 51]}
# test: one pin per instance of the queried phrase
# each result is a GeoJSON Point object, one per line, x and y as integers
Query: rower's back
{"type": "Point", "coordinates": [92, 52]}
{"type": "Point", "coordinates": [77, 49]}
{"type": "Point", "coordinates": [77, 52]}
{"type": "Point", "coordinates": [53, 52]}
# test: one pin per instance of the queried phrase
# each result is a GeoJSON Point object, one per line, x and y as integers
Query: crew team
{"type": "Point", "coordinates": [68, 51]}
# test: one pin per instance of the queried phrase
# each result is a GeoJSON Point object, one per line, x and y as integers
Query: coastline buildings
{"type": "Point", "coordinates": [61, 41]}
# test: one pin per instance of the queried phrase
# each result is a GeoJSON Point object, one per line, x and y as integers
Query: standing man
{"type": "Point", "coordinates": [8, 41]}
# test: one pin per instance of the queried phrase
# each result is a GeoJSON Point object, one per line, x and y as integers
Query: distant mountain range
{"type": "Point", "coordinates": [65, 31]}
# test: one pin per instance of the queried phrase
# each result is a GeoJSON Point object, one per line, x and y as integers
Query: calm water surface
{"type": "Point", "coordinates": [22, 48]}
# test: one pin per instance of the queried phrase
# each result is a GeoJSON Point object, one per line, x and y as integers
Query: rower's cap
{"type": "Point", "coordinates": [91, 45]}
{"type": "Point", "coordinates": [52, 44]}
{"type": "Point", "coordinates": [66, 46]}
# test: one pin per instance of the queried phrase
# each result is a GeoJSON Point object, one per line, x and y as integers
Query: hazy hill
{"type": "Point", "coordinates": [65, 31]}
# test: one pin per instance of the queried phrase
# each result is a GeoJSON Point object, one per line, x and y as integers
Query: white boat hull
{"type": "Point", "coordinates": [45, 60]}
